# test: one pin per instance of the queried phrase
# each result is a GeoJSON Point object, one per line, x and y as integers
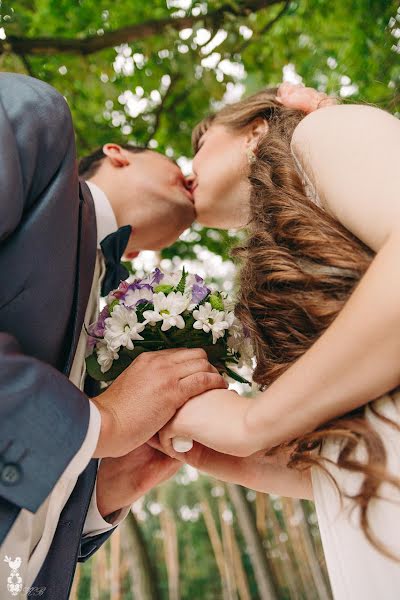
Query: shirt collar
{"type": "Point", "coordinates": [105, 218]}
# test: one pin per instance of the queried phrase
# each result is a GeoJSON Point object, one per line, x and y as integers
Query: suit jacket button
{"type": "Point", "coordinates": [10, 474]}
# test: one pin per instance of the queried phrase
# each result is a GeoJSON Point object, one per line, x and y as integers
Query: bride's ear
{"type": "Point", "coordinates": [257, 129]}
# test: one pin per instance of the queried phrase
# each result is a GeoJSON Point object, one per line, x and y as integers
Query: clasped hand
{"type": "Point", "coordinates": [133, 409]}
{"type": "Point", "coordinates": [216, 419]}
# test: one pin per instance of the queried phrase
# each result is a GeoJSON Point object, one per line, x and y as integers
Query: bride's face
{"type": "Point", "coordinates": [220, 187]}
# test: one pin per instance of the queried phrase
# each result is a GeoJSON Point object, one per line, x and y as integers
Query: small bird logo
{"type": "Point", "coordinates": [14, 580]}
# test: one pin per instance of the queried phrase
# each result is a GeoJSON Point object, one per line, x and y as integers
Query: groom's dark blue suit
{"type": "Point", "coordinates": [47, 257]}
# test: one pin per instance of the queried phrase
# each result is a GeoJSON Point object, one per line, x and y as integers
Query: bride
{"type": "Point", "coordinates": [320, 295]}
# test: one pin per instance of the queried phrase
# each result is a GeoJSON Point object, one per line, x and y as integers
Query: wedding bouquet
{"type": "Point", "coordinates": [166, 311]}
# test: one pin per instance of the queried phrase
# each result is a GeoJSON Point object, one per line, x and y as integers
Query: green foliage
{"type": "Point", "coordinates": [182, 283]}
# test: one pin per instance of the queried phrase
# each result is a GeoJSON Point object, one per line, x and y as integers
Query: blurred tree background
{"type": "Point", "coordinates": [146, 71]}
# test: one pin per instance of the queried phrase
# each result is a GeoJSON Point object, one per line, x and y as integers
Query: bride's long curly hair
{"type": "Point", "coordinates": [299, 266]}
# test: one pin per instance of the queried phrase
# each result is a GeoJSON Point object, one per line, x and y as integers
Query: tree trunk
{"type": "Point", "coordinates": [143, 575]}
{"type": "Point", "coordinates": [257, 554]}
{"type": "Point", "coordinates": [215, 542]}
{"type": "Point", "coordinates": [281, 560]}
{"type": "Point", "coordinates": [323, 592]}
{"type": "Point", "coordinates": [168, 526]}
{"type": "Point", "coordinates": [228, 551]}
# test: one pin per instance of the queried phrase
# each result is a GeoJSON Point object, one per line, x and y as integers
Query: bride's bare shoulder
{"type": "Point", "coordinates": [343, 122]}
{"type": "Point", "coordinates": [350, 153]}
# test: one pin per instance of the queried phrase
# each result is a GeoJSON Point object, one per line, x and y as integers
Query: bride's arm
{"type": "Point", "coordinates": [352, 154]}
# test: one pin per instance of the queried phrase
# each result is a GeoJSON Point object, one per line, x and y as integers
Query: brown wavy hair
{"type": "Point", "coordinates": [299, 266]}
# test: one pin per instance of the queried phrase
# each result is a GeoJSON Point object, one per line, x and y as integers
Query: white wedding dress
{"type": "Point", "coordinates": [357, 570]}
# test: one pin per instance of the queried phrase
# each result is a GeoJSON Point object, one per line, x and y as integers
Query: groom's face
{"type": "Point", "coordinates": [152, 196]}
{"type": "Point", "coordinates": [166, 202]}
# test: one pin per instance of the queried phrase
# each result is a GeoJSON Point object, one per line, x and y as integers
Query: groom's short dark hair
{"type": "Point", "coordinates": [89, 165]}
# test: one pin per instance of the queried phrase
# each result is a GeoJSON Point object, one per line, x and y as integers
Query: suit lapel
{"type": "Point", "coordinates": [86, 257]}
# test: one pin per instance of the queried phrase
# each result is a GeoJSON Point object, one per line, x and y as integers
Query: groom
{"type": "Point", "coordinates": [51, 271]}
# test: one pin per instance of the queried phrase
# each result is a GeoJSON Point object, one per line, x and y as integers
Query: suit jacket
{"type": "Point", "coordinates": [47, 257]}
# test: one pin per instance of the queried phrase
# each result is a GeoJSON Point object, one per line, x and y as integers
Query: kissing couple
{"type": "Point", "coordinates": [315, 185]}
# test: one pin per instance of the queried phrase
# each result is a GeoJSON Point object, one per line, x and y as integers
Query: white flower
{"type": "Point", "coordinates": [167, 309]}
{"type": "Point", "coordinates": [228, 301]}
{"type": "Point", "coordinates": [132, 297]}
{"type": "Point", "coordinates": [210, 319]}
{"type": "Point", "coordinates": [235, 326]}
{"type": "Point", "coordinates": [105, 357]}
{"type": "Point", "coordinates": [171, 278]}
{"type": "Point", "coordinates": [238, 342]}
{"type": "Point", "coordinates": [122, 328]}
{"type": "Point", "coordinates": [246, 351]}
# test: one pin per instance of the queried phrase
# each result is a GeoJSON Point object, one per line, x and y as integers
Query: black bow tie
{"type": "Point", "coordinates": [113, 246]}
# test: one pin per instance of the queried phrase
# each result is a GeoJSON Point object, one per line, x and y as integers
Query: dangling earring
{"type": "Point", "coordinates": [251, 157]}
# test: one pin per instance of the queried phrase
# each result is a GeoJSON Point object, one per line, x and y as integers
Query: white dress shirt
{"type": "Point", "coordinates": [31, 535]}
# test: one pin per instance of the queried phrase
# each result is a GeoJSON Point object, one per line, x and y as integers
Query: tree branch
{"type": "Point", "coordinates": [132, 33]}
{"type": "Point", "coordinates": [27, 65]}
{"type": "Point", "coordinates": [265, 29]}
{"type": "Point", "coordinates": [160, 108]}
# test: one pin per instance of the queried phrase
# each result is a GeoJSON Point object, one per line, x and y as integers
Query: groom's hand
{"type": "Point", "coordinates": [147, 395]}
{"type": "Point", "coordinates": [121, 481]}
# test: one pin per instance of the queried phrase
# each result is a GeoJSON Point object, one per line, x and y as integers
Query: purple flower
{"type": "Point", "coordinates": [119, 292]}
{"type": "Point", "coordinates": [96, 329]}
{"type": "Point", "coordinates": [199, 292]}
{"type": "Point", "coordinates": [157, 276]}
{"type": "Point", "coordinates": [138, 292]}
{"type": "Point", "coordinates": [142, 301]}
{"type": "Point", "coordinates": [139, 285]}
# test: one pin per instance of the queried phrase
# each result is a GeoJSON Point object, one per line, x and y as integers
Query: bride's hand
{"type": "Point", "coordinates": [299, 97]}
{"type": "Point", "coordinates": [215, 419]}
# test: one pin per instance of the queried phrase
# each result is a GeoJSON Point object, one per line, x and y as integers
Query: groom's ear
{"type": "Point", "coordinates": [257, 129]}
{"type": "Point", "coordinates": [116, 155]}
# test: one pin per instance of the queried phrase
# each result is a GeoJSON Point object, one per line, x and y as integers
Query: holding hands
{"type": "Point", "coordinates": [136, 405]}
{"type": "Point", "coordinates": [147, 395]}
{"type": "Point", "coordinates": [224, 447]}
{"type": "Point", "coordinates": [216, 419]}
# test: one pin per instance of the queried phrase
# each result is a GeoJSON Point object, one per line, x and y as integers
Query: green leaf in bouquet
{"type": "Point", "coordinates": [93, 367]}
{"type": "Point", "coordinates": [182, 283]}
{"type": "Point", "coordinates": [216, 301]}
{"type": "Point", "coordinates": [164, 288]}
{"type": "Point", "coordinates": [113, 304]}
{"type": "Point", "coordinates": [140, 308]}
{"type": "Point", "coordinates": [216, 352]}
